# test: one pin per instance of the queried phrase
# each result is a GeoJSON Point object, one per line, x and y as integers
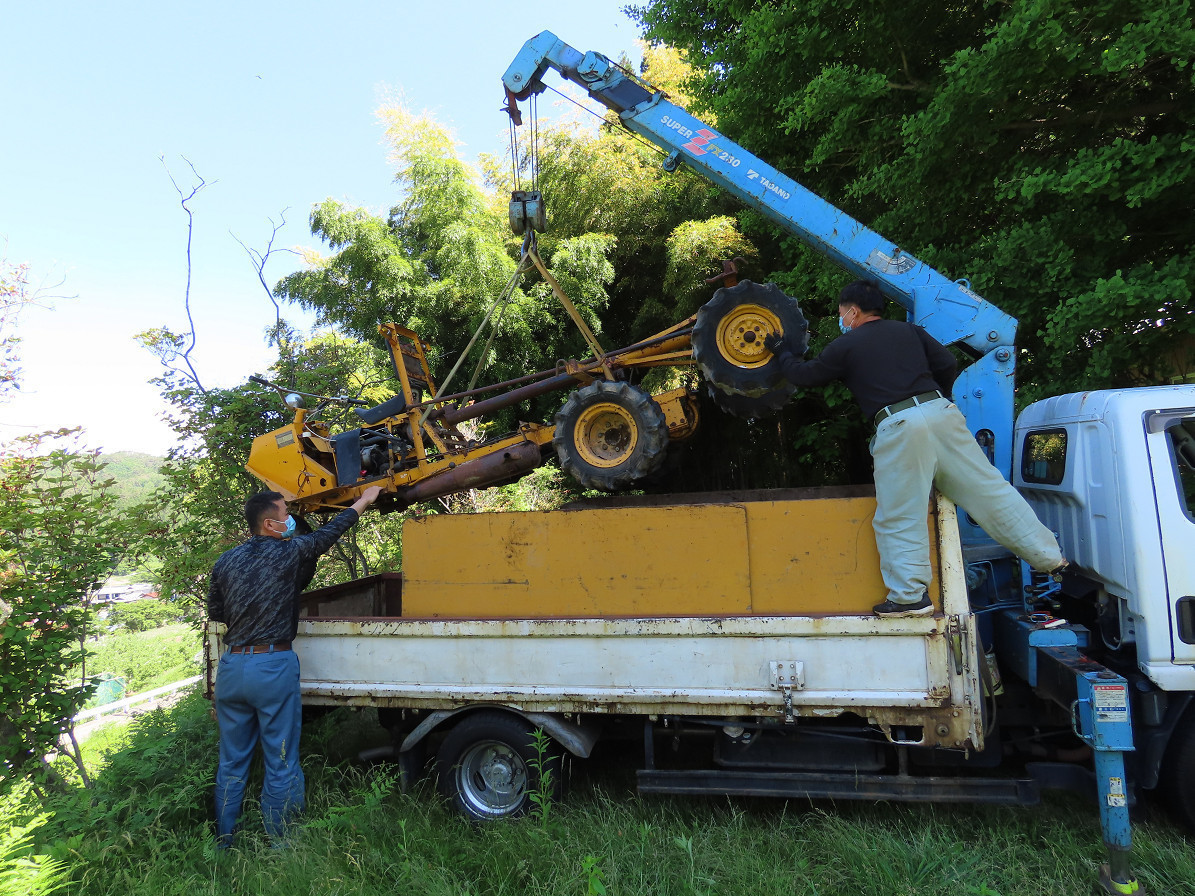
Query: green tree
{"type": "Point", "coordinates": [143, 615]}
{"type": "Point", "coordinates": [612, 182]}
{"type": "Point", "coordinates": [610, 185]}
{"type": "Point", "coordinates": [59, 539]}
{"type": "Point", "coordinates": [445, 253]}
{"type": "Point", "coordinates": [198, 513]}
{"type": "Point", "coordinates": [440, 262]}
{"type": "Point", "coordinates": [1043, 149]}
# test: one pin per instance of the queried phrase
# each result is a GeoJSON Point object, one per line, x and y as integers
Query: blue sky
{"type": "Point", "coordinates": [274, 106]}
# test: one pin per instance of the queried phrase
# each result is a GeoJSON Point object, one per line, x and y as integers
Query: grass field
{"type": "Point", "coordinates": [145, 829]}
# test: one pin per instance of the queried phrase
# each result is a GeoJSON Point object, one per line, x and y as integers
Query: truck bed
{"type": "Point", "coordinates": [567, 620]}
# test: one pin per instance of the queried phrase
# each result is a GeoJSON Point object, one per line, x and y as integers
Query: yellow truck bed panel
{"type": "Point", "coordinates": [806, 556]}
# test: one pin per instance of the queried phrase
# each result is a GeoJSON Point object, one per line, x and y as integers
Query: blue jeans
{"type": "Point", "coordinates": [257, 698]}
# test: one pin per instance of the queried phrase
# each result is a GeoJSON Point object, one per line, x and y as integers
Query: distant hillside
{"type": "Point", "coordinates": [136, 475]}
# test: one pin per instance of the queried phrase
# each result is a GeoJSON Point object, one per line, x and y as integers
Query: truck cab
{"type": "Point", "coordinates": [1113, 474]}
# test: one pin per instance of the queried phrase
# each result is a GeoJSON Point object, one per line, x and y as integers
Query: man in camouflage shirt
{"type": "Point", "coordinates": [254, 591]}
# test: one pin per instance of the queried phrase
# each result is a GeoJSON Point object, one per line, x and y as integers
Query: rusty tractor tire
{"type": "Point", "coordinates": [609, 434]}
{"type": "Point", "coordinates": [730, 330]}
{"type": "Point", "coordinates": [751, 407]}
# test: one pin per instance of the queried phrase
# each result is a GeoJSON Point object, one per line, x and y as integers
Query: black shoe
{"type": "Point", "coordinates": [890, 609]}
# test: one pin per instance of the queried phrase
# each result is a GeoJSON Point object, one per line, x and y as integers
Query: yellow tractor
{"type": "Point", "coordinates": [608, 434]}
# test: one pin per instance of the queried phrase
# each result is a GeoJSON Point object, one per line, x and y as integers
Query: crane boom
{"type": "Point", "coordinates": [949, 310]}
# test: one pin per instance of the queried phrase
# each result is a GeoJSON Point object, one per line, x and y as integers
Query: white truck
{"type": "Point", "coordinates": [738, 626]}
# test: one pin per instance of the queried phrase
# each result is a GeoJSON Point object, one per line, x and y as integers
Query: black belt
{"type": "Point", "coordinates": [260, 648]}
{"type": "Point", "coordinates": [885, 412]}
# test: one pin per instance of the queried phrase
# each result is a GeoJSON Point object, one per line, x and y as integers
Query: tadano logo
{"type": "Point", "coordinates": [697, 144]}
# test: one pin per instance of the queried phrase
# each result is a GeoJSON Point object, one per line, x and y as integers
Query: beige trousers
{"type": "Point", "coordinates": [930, 445]}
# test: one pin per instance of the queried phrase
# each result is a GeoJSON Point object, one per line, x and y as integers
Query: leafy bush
{"type": "Point", "coordinates": [143, 615]}
{"type": "Point", "coordinates": [58, 540]}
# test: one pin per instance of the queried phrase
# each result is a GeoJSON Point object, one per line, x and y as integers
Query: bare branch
{"type": "Point", "coordinates": [183, 200]}
{"type": "Point", "coordinates": [259, 260]}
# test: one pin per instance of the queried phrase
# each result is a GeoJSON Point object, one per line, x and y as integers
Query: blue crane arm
{"type": "Point", "coordinates": [949, 310]}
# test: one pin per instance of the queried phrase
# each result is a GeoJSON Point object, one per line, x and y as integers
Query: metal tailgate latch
{"type": "Point", "coordinates": [787, 676]}
{"type": "Point", "coordinates": [954, 633]}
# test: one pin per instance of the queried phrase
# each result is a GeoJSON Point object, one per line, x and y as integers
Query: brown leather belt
{"type": "Point", "coordinates": [895, 408]}
{"type": "Point", "coordinates": [260, 648]}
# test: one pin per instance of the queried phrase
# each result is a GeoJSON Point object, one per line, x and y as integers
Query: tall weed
{"type": "Point", "coordinates": [541, 794]}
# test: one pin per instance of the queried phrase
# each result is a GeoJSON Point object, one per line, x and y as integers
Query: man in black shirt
{"type": "Point", "coordinates": [255, 591]}
{"type": "Point", "coordinates": [901, 377]}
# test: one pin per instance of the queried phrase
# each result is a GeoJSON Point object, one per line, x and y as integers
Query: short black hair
{"type": "Point", "coordinates": [864, 293]}
{"type": "Point", "coordinates": [257, 507]}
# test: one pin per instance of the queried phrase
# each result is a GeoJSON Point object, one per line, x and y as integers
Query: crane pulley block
{"type": "Point", "coordinates": [527, 211]}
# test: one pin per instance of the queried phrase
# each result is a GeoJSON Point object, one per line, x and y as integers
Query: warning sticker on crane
{"type": "Point", "coordinates": [1111, 702]}
{"type": "Point", "coordinates": [1116, 797]}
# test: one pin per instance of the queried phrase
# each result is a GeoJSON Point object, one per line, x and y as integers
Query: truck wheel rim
{"type": "Point", "coordinates": [741, 334]}
{"type": "Point", "coordinates": [606, 435]}
{"type": "Point", "coordinates": [491, 779]}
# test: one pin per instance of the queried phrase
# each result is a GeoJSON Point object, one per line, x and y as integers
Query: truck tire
{"type": "Point", "coordinates": [1178, 771]}
{"type": "Point", "coordinates": [608, 435]}
{"type": "Point", "coordinates": [489, 767]}
{"type": "Point", "coordinates": [748, 407]}
{"type": "Point", "coordinates": [730, 330]}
